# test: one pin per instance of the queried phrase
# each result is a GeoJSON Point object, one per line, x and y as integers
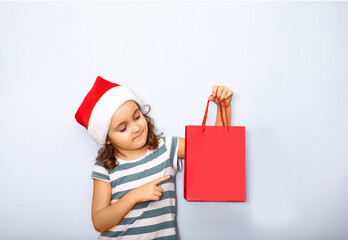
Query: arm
{"type": "Point", "coordinates": [181, 149]}
{"type": "Point", "coordinates": [106, 215]}
{"type": "Point", "coordinates": [218, 121]}
{"type": "Point", "coordinates": [219, 93]}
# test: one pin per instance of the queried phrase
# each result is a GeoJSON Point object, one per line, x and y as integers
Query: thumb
{"type": "Point", "coordinates": [161, 179]}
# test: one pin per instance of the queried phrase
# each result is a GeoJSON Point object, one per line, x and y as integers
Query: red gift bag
{"type": "Point", "coordinates": [214, 162]}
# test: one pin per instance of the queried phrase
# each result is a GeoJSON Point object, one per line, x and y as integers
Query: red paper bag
{"type": "Point", "coordinates": [214, 162]}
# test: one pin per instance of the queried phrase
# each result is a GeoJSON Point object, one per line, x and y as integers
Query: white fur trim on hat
{"type": "Point", "coordinates": [104, 110]}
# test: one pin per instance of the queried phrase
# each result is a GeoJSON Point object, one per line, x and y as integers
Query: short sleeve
{"type": "Point", "coordinates": [174, 147]}
{"type": "Point", "coordinates": [100, 173]}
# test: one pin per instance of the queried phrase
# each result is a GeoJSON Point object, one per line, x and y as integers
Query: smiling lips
{"type": "Point", "coordinates": [138, 136]}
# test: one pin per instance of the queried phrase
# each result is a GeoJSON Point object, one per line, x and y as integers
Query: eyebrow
{"type": "Point", "coordinates": [125, 121]}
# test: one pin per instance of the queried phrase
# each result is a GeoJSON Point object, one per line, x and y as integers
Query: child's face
{"type": "Point", "coordinates": [128, 128]}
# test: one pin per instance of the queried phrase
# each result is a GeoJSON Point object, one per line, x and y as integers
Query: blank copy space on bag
{"type": "Point", "coordinates": [215, 163]}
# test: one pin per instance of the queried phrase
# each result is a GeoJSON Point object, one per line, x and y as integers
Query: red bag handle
{"type": "Point", "coordinates": [222, 119]}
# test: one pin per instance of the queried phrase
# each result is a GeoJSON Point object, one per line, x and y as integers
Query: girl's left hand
{"type": "Point", "coordinates": [221, 92]}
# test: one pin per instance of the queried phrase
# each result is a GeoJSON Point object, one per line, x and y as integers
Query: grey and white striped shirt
{"type": "Point", "coordinates": [147, 220]}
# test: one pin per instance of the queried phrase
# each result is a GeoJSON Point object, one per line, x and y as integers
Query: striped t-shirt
{"type": "Point", "coordinates": [152, 219]}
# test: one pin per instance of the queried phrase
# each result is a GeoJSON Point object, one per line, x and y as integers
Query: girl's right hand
{"type": "Point", "coordinates": [149, 191]}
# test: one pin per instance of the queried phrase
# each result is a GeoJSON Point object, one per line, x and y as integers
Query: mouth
{"type": "Point", "coordinates": [138, 136]}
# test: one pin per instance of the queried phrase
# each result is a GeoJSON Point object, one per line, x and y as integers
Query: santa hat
{"type": "Point", "coordinates": [100, 104]}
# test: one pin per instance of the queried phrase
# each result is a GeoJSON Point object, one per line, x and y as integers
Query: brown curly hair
{"type": "Point", "coordinates": [106, 154]}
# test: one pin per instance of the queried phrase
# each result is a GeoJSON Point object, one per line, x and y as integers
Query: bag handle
{"type": "Point", "coordinates": [222, 119]}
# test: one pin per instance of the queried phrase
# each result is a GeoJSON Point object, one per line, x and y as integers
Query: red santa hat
{"type": "Point", "coordinates": [100, 104]}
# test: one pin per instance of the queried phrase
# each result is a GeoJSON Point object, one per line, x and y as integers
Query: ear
{"type": "Point", "coordinates": [107, 141]}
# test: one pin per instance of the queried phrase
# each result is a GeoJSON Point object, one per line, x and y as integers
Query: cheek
{"type": "Point", "coordinates": [118, 138]}
{"type": "Point", "coordinates": [144, 123]}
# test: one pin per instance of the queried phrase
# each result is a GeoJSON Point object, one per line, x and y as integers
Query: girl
{"type": "Point", "coordinates": [134, 175]}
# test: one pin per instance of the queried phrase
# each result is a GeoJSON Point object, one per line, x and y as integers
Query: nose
{"type": "Point", "coordinates": [136, 128]}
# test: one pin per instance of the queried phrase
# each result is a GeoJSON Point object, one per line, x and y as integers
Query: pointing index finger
{"type": "Point", "coordinates": [161, 179]}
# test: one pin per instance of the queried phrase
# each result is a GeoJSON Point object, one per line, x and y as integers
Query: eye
{"type": "Point", "coordinates": [137, 117]}
{"type": "Point", "coordinates": [122, 130]}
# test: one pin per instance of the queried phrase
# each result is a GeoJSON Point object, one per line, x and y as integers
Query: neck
{"type": "Point", "coordinates": [131, 154]}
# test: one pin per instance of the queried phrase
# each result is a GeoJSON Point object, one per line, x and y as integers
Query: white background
{"type": "Point", "coordinates": [286, 62]}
